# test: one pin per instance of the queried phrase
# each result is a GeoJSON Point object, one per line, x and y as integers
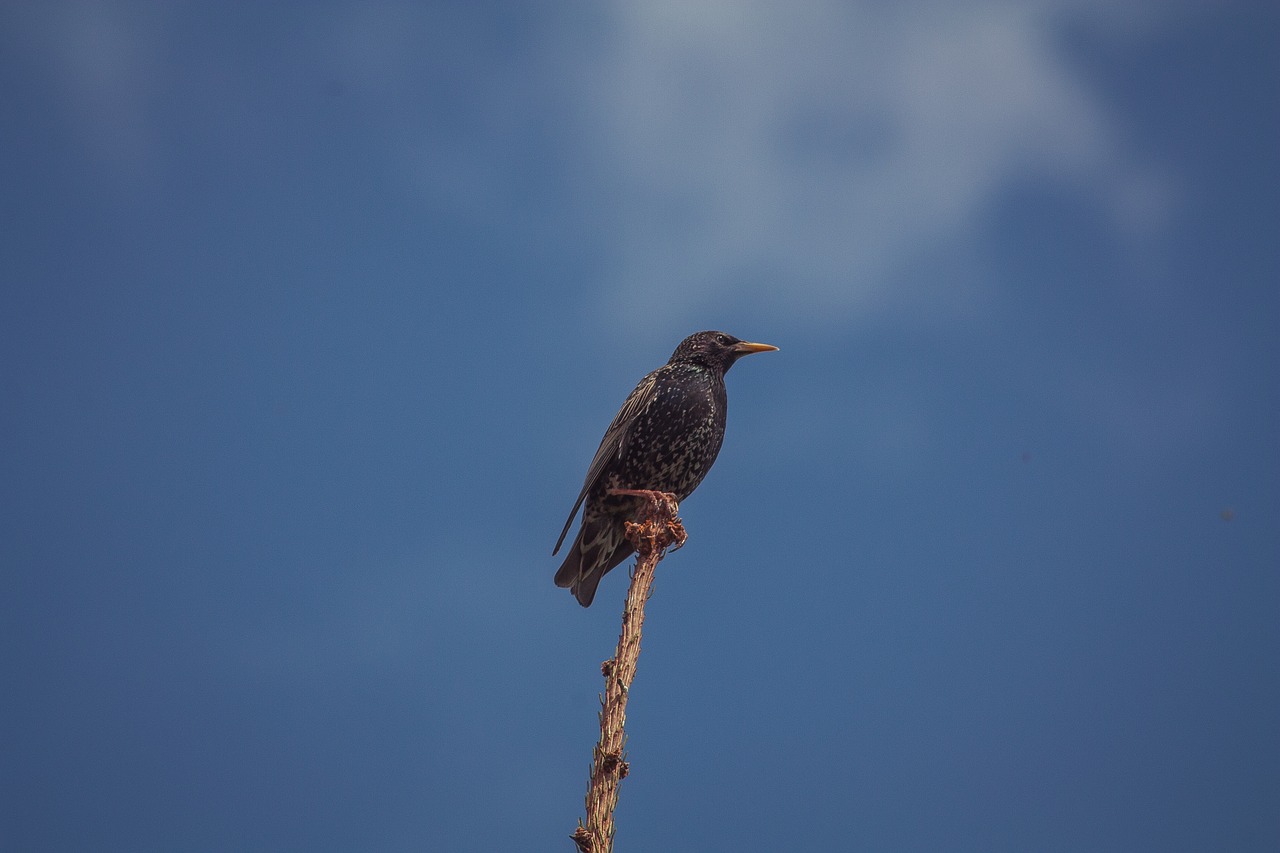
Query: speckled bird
{"type": "Point", "coordinates": [665, 438]}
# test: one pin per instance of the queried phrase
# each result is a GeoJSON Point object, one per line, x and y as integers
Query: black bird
{"type": "Point", "coordinates": [665, 438]}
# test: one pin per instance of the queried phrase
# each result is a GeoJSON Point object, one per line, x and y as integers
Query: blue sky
{"type": "Point", "coordinates": [314, 314]}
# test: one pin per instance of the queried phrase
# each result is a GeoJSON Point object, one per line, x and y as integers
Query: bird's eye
{"type": "Point", "coordinates": [723, 340]}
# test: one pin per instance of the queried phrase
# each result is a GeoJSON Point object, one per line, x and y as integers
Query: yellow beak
{"type": "Point", "coordinates": [746, 348]}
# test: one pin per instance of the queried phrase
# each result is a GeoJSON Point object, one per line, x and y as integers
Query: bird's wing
{"type": "Point", "coordinates": [614, 442]}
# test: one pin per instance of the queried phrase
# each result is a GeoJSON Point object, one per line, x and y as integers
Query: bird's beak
{"type": "Point", "coordinates": [746, 348]}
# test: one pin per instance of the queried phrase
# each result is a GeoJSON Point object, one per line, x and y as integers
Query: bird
{"type": "Point", "coordinates": [664, 438]}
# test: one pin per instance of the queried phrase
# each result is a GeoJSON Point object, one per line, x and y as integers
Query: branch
{"type": "Point", "coordinates": [656, 528]}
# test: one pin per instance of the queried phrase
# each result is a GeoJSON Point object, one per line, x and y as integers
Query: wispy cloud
{"type": "Point", "coordinates": [803, 157]}
{"type": "Point", "coordinates": [831, 165]}
{"type": "Point", "coordinates": [824, 150]}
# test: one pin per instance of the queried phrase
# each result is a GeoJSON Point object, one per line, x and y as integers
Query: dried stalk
{"type": "Point", "coordinates": [656, 528]}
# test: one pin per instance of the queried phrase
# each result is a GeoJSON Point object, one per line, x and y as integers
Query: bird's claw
{"type": "Point", "coordinates": [676, 533]}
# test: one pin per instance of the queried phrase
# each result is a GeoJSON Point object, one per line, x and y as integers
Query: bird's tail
{"type": "Point", "coordinates": [599, 547]}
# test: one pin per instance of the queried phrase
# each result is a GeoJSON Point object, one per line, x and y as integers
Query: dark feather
{"type": "Point", "coordinates": [665, 438]}
{"type": "Point", "coordinates": [612, 445]}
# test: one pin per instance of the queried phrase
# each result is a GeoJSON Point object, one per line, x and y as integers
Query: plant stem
{"type": "Point", "coordinates": [656, 528]}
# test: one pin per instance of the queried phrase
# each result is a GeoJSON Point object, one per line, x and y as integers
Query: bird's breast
{"type": "Point", "coordinates": [673, 444]}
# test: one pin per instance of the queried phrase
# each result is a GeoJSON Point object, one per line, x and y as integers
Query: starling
{"type": "Point", "coordinates": [665, 438]}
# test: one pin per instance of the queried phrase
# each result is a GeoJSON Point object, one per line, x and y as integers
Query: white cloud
{"type": "Point", "coordinates": [824, 149]}
{"type": "Point", "coordinates": [830, 164]}
{"type": "Point", "coordinates": [802, 156]}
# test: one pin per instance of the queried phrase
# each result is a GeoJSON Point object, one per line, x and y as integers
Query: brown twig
{"type": "Point", "coordinates": [656, 528]}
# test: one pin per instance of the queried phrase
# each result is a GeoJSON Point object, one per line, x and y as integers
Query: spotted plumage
{"type": "Point", "coordinates": [665, 438]}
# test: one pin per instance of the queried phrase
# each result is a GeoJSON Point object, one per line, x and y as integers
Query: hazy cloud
{"type": "Point", "coordinates": [831, 165]}
{"type": "Point", "coordinates": [804, 158]}
{"type": "Point", "coordinates": [823, 151]}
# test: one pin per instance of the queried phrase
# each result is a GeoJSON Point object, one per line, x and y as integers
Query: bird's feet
{"type": "Point", "coordinates": [657, 525]}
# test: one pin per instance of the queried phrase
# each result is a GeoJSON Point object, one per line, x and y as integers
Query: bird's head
{"type": "Point", "coordinates": [716, 350]}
